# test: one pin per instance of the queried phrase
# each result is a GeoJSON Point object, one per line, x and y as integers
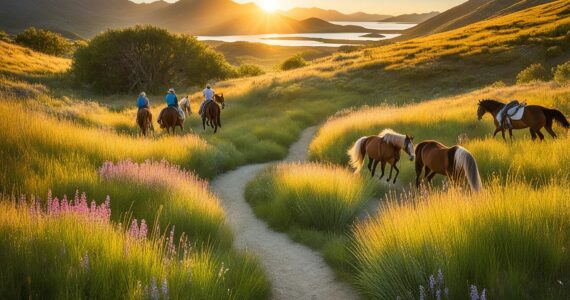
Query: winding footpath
{"type": "Point", "coordinates": [295, 271]}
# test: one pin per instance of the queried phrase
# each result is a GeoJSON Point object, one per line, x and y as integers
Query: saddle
{"type": "Point", "coordinates": [513, 111]}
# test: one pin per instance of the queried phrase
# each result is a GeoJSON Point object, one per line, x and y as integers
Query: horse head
{"type": "Point", "coordinates": [220, 99]}
{"type": "Point", "coordinates": [409, 147]}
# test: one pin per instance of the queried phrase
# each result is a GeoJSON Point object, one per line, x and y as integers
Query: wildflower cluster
{"type": "Point", "coordinates": [149, 173]}
{"type": "Point", "coordinates": [436, 288]}
{"type": "Point", "coordinates": [77, 206]}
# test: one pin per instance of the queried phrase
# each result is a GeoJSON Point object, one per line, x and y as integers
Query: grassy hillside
{"type": "Point", "coordinates": [22, 61]}
{"type": "Point", "coordinates": [470, 12]}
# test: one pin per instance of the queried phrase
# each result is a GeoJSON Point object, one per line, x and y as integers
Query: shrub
{"type": "Point", "coordinates": [294, 62]}
{"type": "Point", "coordinates": [534, 72]}
{"type": "Point", "coordinates": [250, 70]}
{"type": "Point", "coordinates": [147, 58]}
{"type": "Point", "coordinates": [44, 41]}
{"type": "Point", "coordinates": [562, 72]}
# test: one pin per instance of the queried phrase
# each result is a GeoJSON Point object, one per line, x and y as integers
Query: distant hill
{"type": "Point", "coordinates": [331, 15]}
{"type": "Point", "coordinates": [411, 18]}
{"type": "Point", "coordinates": [86, 18]}
{"type": "Point", "coordinates": [470, 12]}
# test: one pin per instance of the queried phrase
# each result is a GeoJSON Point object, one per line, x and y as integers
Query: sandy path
{"type": "Point", "coordinates": [295, 271]}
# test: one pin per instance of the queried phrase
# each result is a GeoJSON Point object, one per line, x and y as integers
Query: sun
{"type": "Point", "coordinates": [269, 5]}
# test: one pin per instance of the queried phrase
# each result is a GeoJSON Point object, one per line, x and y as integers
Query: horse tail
{"type": "Point", "coordinates": [357, 153]}
{"type": "Point", "coordinates": [555, 115]}
{"type": "Point", "coordinates": [463, 161]}
{"type": "Point", "coordinates": [419, 158]}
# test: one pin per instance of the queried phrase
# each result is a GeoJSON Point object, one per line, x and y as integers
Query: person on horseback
{"type": "Point", "coordinates": [505, 120]}
{"type": "Point", "coordinates": [171, 101]}
{"type": "Point", "coordinates": [142, 101]}
{"type": "Point", "coordinates": [208, 97]}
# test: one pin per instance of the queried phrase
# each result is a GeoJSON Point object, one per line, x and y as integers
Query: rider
{"type": "Point", "coordinates": [142, 101]}
{"type": "Point", "coordinates": [208, 96]}
{"type": "Point", "coordinates": [171, 101]}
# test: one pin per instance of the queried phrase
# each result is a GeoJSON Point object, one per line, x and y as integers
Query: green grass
{"type": "Point", "coordinates": [70, 257]}
{"type": "Point", "coordinates": [510, 239]}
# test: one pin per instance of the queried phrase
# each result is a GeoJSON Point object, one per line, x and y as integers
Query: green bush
{"type": "Point", "coordinates": [534, 72]}
{"type": "Point", "coordinates": [44, 41]}
{"type": "Point", "coordinates": [147, 58]}
{"type": "Point", "coordinates": [562, 72]}
{"type": "Point", "coordinates": [294, 62]}
{"type": "Point", "coordinates": [250, 70]}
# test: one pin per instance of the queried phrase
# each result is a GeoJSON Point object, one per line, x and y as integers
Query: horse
{"type": "Point", "coordinates": [212, 112]}
{"type": "Point", "coordinates": [171, 120]}
{"type": "Point", "coordinates": [535, 117]}
{"type": "Point", "coordinates": [383, 148]}
{"type": "Point", "coordinates": [185, 106]}
{"type": "Point", "coordinates": [452, 162]}
{"type": "Point", "coordinates": [144, 120]}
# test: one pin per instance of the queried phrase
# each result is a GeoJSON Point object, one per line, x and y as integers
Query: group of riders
{"type": "Point", "coordinates": [172, 102]}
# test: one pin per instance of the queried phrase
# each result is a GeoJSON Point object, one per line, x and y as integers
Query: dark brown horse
{"type": "Point", "coordinates": [171, 119]}
{"type": "Point", "coordinates": [144, 120]}
{"type": "Point", "coordinates": [383, 148]}
{"type": "Point", "coordinates": [452, 162]}
{"type": "Point", "coordinates": [535, 117]}
{"type": "Point", "coordinates": [212, 112]}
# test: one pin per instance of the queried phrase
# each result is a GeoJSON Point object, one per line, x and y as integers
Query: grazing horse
{"type": "Point", "coordinates": [171, 120]}
{"type": "Point", "coordinates": [144, 120]}
{"type": "Point", "coordinates": [383, 148]}
{"type": "Point", "coordinates": [212, 112]}
{"type": "Point", "coordinates": [452, 162]}
{"type": "Point", "coordinates": [185, 106]}
{"type": "Point", "coordinates": [535, 117]}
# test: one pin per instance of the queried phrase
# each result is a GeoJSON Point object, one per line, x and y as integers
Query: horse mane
{"type": "Point", "coordinates": [491, 104]}
{"type": "Point", "coordinates": [394, 138]}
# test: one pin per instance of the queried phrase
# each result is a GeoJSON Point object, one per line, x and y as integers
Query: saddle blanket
{"type": "Point", "coordinates": [514, 113]}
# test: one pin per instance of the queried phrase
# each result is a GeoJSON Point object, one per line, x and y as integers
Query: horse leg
{"type": "Point", "coordinates": [204, 123]}
{"type": "Point", "coordinates": [370, 162]}
{"type": "Point", "coordinates": [397, 172]}
{"type": "Point", "coordinates": [551, 132]}
{"type": "Point", "coordinates": [511, 134]}
{"type": "Point", "coordinates": [382, 167]}
{"type": "Point", "coordinates": [430, 177]}
{"type": "Point", "coordinates": [215, 129]}
{"type": "Point", "coordinates": [419, 169]}
{"type": "Point", "coordinates": [540, 135]}
{"type": "Point", "coordinates": [391, 169]}
{"type": "Point", "coordinates": [532, 134]}
{"type": "Point", "coordinates": [496, 131]}
{"type": "Point", "coordinates": [374, 168]}
{"type": "Point", "coordinates": [503, 134]}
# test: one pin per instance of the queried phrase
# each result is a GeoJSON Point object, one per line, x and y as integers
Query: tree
{"type": "Point", "coordinates": [146, 58]}
{"type": "Point", "coordinates": [250, 70]}
{"type": "Point", "coordinates": [44, 41]}
{"type": "Point", "coordinates": [534, 72]}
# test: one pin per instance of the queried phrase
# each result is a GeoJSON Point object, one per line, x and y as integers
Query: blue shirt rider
{"type": "Point", "coordinates": [142, 101]}
{"type": "Point", "coordinates": [171, 99]}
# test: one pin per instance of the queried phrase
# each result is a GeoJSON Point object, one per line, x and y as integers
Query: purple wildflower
{"type": "Point", "coordinates": [134, 230]}
{"type": "Point", "coordinates": [438, 295]}
{"type": "Point", "coordinates": [154, 293]}
{"type": "Point", "coordinates": [474, 294]}
{"type": "Point", "coordinates": [422, 293]}
{"type": "Point", "coordinates": [483, 295]}
{"type": "Point", "coordinates": [446, 293]}
{"type": "Point", "coordinates": [143, 230]}
{"type": "Point", "coordinates": [440, 277]}
{"type": "Point", "coordinates": [165, 289]}
{"type": "Point", "coordinates": [432, 284]}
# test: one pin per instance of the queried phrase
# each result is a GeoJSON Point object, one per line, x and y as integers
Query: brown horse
{"type": "Point", "coordinates": [452, 162]}
{"type": "Point", "coordinates": [535, 117]}
{"type": "Point", "coordinates": [171, 120]}
{"type": "Point", "coordinates": [212, 113]}
{"type": "Point", "coordinates": [383, 148]}
{"type": "Point", "coordinates": [144, 120]}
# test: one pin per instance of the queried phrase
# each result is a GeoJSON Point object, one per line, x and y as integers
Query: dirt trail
{"type": "Point", "coordinates": [295, 271]}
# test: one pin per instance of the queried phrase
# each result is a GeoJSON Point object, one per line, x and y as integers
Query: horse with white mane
{"type": "Point", "coordinates": [383, 148]}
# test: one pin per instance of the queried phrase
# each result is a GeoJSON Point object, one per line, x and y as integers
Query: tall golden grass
{"type": "Point", "coordinates": [510, 239]}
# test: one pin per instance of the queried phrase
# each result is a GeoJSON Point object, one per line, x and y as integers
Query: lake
{"type": "Point", "coordinates": [304, 38]}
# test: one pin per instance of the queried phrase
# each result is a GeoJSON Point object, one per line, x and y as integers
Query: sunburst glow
{"type": "Point", "coordinates": [269, 5]}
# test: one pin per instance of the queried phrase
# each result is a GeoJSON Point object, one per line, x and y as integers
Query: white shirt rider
{"type": "Point", "coordinates": [209, 94]}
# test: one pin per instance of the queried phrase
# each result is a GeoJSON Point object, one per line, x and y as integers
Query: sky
{"type": "Point", "coordinates": [390, 7]}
